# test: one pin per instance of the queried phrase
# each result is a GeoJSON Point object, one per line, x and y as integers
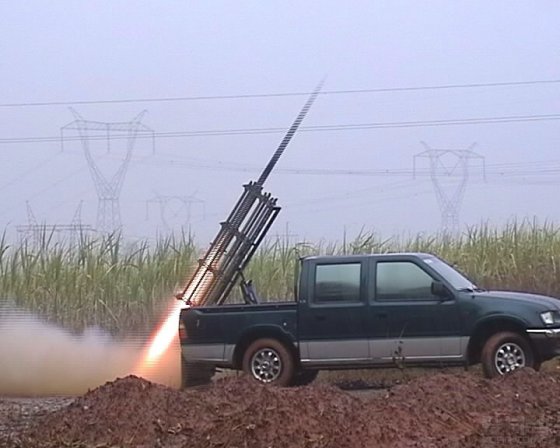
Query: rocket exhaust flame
{"type": "Point", "coordinates": [164, 336]}
{"type": "Point", "coordinates": [159, 344]}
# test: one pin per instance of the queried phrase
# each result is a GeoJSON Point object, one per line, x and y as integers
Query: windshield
{"type": "Point", "coordinates": [457, 280]}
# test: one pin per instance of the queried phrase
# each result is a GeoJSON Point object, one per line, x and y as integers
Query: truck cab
{"type": "Point", "coordinates": [371, 311]}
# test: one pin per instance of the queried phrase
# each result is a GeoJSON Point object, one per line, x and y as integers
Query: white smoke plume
{"type": "Point", "coordinates": [40, 359]}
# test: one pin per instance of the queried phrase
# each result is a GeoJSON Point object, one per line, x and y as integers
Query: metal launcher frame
{"type": "Point", "coordinates": [239, 236]}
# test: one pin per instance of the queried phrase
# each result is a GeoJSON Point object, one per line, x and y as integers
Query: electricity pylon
{"type": "Point", "coordinates": [108, 189]}
{"type": "Point", "coordinates": [449, 173]}
{"type": "Point", "coordinates": [35, 231]}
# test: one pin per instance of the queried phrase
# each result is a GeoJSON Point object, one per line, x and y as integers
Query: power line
{"type": "Point", "coordinates": [535, 166]}
{"type": "Point", "coordinates": [497, 167]}
{"type": "Point", "coordinates": [316, 128]}
{"type": "Point", "coordinates": [367, 202]}
{"type": "Point", "coordinates": [370, 192]}
{"type": "Point", "coordinates": [498, 170]}
{"type": "Point", "coordinates": [29, 171]}
{"type": "Point", "coordinates": [54, 184]}
{"type": "Point", "coordinates": [282, 94]}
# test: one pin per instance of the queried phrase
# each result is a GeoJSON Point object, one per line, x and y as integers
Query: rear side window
{"type": "Point", "coordinates": [337, 283]}
{"type": "Point", "coordinates": [402, 280]}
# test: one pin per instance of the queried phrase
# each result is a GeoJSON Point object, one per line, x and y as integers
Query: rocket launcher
{"type": "Point", "coordinates": [239, 236]}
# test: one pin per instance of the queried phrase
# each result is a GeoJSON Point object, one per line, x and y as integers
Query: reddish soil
{"type": "Point", "coordinates": [441, 410]}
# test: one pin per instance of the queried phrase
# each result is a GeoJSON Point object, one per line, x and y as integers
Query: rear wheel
{"type": "Point", "coordinates": [304, 377]}
{"type": "Point", "coordinates": [269, 361]}
{"type": "Point", "coordinates": [505, 352]}
{"type": "Point", "coordinates": [195, 374]}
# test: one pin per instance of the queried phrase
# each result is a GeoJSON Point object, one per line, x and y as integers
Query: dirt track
{"type": "Point", "coordinates": [440, 410]}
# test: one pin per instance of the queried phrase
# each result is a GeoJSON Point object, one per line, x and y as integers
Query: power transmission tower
{"type": "Point", "coordinates": [36, 232]}
{"type": "Point", "coordinates": [108, 189]}
{"type": "Point", "coordinates": [449, 173]}
{"type": "Point", "coordinates": [173, 209]}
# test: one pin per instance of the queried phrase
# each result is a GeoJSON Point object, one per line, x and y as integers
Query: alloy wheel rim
{"type": "Point", "coordinates": [266, 365]}
{"type": "Point", "coordinates": [509, 357]}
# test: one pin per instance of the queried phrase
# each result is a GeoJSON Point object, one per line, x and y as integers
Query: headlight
{"type": "Point", "coordinates": [548, 317]}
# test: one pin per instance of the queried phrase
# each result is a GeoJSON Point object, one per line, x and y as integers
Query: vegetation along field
{"type": "Point", "coordinates": [122, 287]}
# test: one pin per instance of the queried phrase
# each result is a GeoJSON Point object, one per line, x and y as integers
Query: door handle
{"type": "Point", "coordinates": [321, 317]}
{"type": "Point", "coordinates": [382, 315]}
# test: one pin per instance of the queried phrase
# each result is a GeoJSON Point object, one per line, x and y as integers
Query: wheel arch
{"type": "Point", "coordinates": [261, 332]}
{"type": "Point", "coordinates": [490, 326]}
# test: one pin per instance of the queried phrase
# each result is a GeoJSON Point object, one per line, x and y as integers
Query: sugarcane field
{"type": "Point", "coordinates": [279, 224]}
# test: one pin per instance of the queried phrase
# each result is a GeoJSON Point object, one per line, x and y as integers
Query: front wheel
{"type": "Point", "coordinates": [505, 352]}
{"type": "Point", "coordinates": [269, 361]}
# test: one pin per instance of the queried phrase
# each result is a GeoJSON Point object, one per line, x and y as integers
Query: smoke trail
{"type": "Point", "coordinates": [37, 358]}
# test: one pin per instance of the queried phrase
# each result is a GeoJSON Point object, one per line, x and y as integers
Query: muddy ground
{"type": "Point", "coordinates": [458, 409]}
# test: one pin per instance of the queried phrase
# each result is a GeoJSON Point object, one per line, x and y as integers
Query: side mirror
{"type": "Point", "coordinates": [441, 291]}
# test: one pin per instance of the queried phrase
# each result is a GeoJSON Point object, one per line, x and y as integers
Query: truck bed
{"type": "Point", "coordinates": [215, 331]}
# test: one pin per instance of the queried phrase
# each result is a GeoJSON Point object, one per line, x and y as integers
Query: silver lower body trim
{"type": "Point", "coordinates": [337, 360]}
{"type": "Point", "coordinates": [422, 348]}
{"type": "Point", "coordinates": [334, 349]}
{"type": "Point", "coordinates": [548, 332]}
{"type": "Point", "coordinates": [203, 352]}
{"type": "Point", "coordinates": [382, 351]}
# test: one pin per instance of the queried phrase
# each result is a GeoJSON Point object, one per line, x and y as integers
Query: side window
{"type": "Point", "coordinates": [402, 280]}
{"type": "Point", "coordinates": [337, 283]}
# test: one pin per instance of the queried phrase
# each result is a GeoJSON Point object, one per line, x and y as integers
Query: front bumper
{"type": "Point", "coordinates": [546, 342]}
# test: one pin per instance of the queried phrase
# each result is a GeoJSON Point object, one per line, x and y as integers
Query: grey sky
{"type": "Point", "coordinates": [68, 51]}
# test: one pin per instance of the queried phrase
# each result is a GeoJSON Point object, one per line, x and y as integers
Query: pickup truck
{"type": "Point", "coordinates": [369, 311]}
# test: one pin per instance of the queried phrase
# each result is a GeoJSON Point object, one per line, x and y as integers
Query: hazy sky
{"type": "Point", "coordinates": [80, 51]}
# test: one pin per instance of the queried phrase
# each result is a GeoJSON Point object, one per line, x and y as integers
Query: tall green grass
{"type": "Point", "coordinates": [123, 286]}
{"type": "Point", "coordinates": [96, 281]}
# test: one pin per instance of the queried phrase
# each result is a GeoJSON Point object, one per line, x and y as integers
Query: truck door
{"type": "Point", "coordinates": [407, 322]}
{"type": "Point", "coordinates": [333, 312]}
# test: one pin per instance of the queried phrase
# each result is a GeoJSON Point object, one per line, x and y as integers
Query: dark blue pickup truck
{"type": "Point", "coordinates": [371, 311]}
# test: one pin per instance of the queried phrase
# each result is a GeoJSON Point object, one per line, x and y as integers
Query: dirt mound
{"type": "Point", "coordinates": [452, 410]}
{"type": "Point", "coordinates": [233, 412]}
{"type": "Point", "coordinates": [525, 413]}
{"type": "Point", "coordinates": [442, 410]}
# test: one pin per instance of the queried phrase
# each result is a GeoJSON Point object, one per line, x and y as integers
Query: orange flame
{"type": "Point", "coordinates": [161, 340]}
{"type": "Point", "coordinates": [165, 334]}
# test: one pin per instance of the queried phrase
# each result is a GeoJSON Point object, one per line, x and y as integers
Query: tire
{"type": "Point", "coordinates": [505, 352]}
{"type": "Point", "coordinates": [304, 377]}
{"type": "Point", "coordinates": [268, 361]}
{"type": "Point", "coordinates": [195, 375]}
